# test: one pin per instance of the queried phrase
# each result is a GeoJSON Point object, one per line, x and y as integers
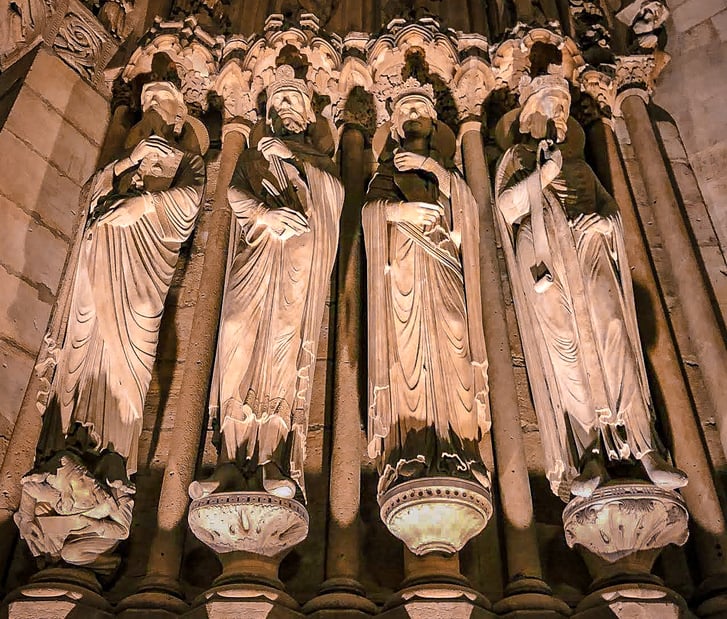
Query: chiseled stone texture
{"type": "Point", "coordinates": [52, 136]}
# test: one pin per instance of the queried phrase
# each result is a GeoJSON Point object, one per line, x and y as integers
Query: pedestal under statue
{"type": "Point", "coordinates": [287, 200]}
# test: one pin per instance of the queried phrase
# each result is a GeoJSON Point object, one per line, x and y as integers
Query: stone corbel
{"type": "Point", "coordinates": [84, 45]}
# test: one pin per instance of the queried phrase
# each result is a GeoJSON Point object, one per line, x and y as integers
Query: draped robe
{"type": "Point", "coordinates": [272, 312]}
{"type": "Point", "coordinates": [580, 335]}
{"type": "Point", "coordinates": [121, 281]}
{"type": "Point", "coordinates": [428, 406]}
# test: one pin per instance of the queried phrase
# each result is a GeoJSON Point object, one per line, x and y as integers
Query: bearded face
{"type": "Point", "coordinates": [289, 110]}
{"type": "Point", "coordinates": [545, 115]}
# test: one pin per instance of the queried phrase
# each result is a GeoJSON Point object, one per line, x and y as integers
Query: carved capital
{"type": "Point", "coordinates": [233, 85]}
{"type": "Point", "coordinates": [637, 72]}
{"type": "Point", "coordinates": [83, 43]}
{"type": "Point", "coordinates": [472, 84]}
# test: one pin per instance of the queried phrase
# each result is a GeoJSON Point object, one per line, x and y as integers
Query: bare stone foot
{"type": "Point", "coordinates": [662, 473]}
{"type": "Point", "coordinates": [593, 475]}
{"type": "Point", "coordinates": [111, 467]}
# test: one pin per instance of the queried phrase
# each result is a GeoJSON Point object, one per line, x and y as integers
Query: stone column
{"type": "Point", "coordinates": [526, 591]}
{"type": "Point", "coordinates": [704, 330]}
{"type": "Point", "coordinates": [700, 494]}
{"type": "Point", "coordinates": [160, 592]}
{"type": "Point", "coordinates": [341, 593]}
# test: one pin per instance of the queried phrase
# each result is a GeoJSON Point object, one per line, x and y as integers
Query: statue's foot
{"type": "Point", "coordinates": [110, 468]}
{"type": "Point", "coordinates": [276, 483]}
{"type": "Point", "coordinates": [662, 473]}
{"type": "Point", "coordinates": [225, 478]}
{"type": "Point", "coordinates": [202, 489]}
{"type": "Point", "coordinates": [593, 475]}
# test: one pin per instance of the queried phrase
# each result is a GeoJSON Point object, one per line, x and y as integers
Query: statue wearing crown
{"type": "Point", "coordinates": [428, 404]}
{"type": "Point", "coordinates": [287, 200]}
{"type": "Point", "coordinates": [76, 504]}
{"type": "Point", "coordinates": [564, 245]}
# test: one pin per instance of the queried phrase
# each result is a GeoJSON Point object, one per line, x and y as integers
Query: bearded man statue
{"type": "Point", "coordinates": [287, 200]}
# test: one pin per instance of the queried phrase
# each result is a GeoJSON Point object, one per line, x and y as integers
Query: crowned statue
{"type": "Point", "coordinates": [428, 404]}
{"type": "Point", "coordinates": [564, 246]}
{"type": "Point", "coordinates": [287, 200]}
{"type": "Point", "coordinates": [76, 504]}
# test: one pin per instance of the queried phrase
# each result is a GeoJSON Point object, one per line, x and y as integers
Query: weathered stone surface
{"type": "Point", "coordinates": [64, 89]}
{"type": "Point", "coordinates": [694, 12]}
{"type": "Point", "coordinates": [16, 366]}
{"type": "Point", "coordinates": [38, 187]}
{"type": "Point", "coordinates": [30, 248]}
{"type": "Point", "coordinates": [37, 123]}
{"type": "Point", "coordinates": [23, 311]}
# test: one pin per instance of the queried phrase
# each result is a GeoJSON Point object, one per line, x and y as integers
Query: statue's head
{"type": "Point", "coordinates": [167, 101]}
{"type": "Point", "coordinates": [545, 107]}
{"type": "Point", "coordinates": [289, 102]}
{"type": "Point", "coordinates": [413, 112]}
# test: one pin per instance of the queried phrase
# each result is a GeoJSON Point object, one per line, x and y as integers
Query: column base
{"type": "Point", "coordinates": [636, 601]}
{"type": "Point", "coordinates": [438, 601]}
{"type": "Point", "coordinates": [340, 597]}
{"type": "Point", "coordinates": [530, 597]}
{"type": "Point", "coordinates": [157, 598]}
{"type": "Point", "coordinates": [249, 600]}
{"type": "Point", "coordinates": [57, 593]}
{"type": "Point", "coordinates": [711, 597]}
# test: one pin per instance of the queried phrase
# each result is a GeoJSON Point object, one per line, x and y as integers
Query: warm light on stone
{"type": "Point", "coordinates": [254, 522]}
{"type": "Point", "coordinates": [436, 514]}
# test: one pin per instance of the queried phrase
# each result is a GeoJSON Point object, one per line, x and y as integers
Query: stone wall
{"type": "Point", "coordinates": [52, 135]}
{"type": "Point", "coordinates": [692, 90]}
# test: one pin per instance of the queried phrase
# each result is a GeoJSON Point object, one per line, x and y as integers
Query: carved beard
{"type": "Point", "coordinates": [291, 121]}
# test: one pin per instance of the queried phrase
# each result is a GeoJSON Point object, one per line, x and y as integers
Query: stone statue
{"type": "Point", "coordinates": [428, 407]}
{"type": "Point", "coordinates": [142, 208]}
{"type": "Point", "coordinates": [646, 19]}
{"type": "Point", "coordinates": [287, 199]}
{"type": "Point", "coordinates": [563, 241]}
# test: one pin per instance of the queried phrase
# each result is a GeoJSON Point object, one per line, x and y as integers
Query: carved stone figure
{"type": "Point", "coordinates": [646, 19]}
{"type": "Point", "coordinates": [20, 20]}
{"type": "Point", "coordinates": [142, 208]}
{"type": "Point", "coordinates": [564, 246]}
{"type": "Point", "coordinates": [428, 405]}
{"type": "Point", "coordinates": [287, 199]}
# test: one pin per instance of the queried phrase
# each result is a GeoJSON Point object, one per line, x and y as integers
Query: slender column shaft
{"type": "Point", "coordinates": [512, 471]}
{"type": "Point", "coordinates": [165, 557]}
{"type": "Point", "coordinates": [705, 334]}
{"type": "Point", "coordinates": [342, 560]}
{"type": "Point", "coordinates": [708, 523]}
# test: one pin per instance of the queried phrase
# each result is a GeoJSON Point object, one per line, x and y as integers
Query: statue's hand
{"type": "Point", "coordinates": [284, 222]}
{"type": "Point", "coordinates": [553, 162]}
{"type": "Point", "coordinates": [153, 145]}
{"type": "Point", "coordinates": [274, 146]}
{"type": "Point", "coordinates": [417, 213]}
{"type": "Point", "coordinates": [405, 161]}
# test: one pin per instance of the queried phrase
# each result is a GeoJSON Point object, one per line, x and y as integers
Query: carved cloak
{"type": "Point", "coordinates": [121, 281]}
{"type": "Point", "coordinates": [612, 401]}
{"type": "Point", "coordinates": [427, 359]}
{"type": "Point", "coordinates": [272, 312]}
